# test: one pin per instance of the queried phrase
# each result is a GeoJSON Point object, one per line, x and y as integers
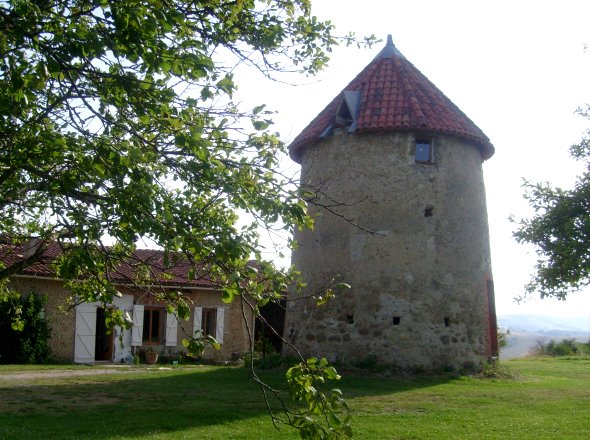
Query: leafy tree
{"type": "Point", "coordinates": [560, 230]}
{"type": "Point", "coordinates": [116, 121]}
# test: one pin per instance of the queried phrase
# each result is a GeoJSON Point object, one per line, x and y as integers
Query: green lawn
{"type": "Point", "coordinates": [547, 398]}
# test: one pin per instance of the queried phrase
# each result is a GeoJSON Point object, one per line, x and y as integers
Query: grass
{"type": "Point", "coordinates": [541, 398]}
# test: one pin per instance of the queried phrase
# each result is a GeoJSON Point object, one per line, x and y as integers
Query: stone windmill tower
{"type": "Point", "coordinates": [400, 168]}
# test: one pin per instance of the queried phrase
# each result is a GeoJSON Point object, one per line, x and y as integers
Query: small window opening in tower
{"type": "Point", "coordinates": [447, 321]}
{"type": "Point", "coordinates": [397, 320]}
{"type": "Point", "coordinates": [350, 319]}
{"type": "Point", "coordinates": [428, 211]}
{"type": "Point", "coordinates": [423, 151]}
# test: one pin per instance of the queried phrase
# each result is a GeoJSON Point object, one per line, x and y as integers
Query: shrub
{"type": "Point", "coordinates": [565, 347]}
{"type": "Point", "coordinates": [496, 370]}
{"type": "Point", "coordinates": [24, 329]}
{"type": "Point", "coordinates": [503, 336]}
{"type": "Point", "coordinates": [264, 356]}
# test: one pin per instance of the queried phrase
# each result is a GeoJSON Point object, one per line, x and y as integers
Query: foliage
{"type": "Point", "coordinates": [268, 361]}
{"type": "Point", "coordinates": [116, 121]}
{"type": "Point", "coordinates": [497, 370]}
{"type": "Point", "coordinates": [503, 338]}
{"type": "Point", "coordinates": [264, 355]}
{"type": "Point", "coordinates": [560, 229]}
{"type": "Point", "coordinates": [325, 414]}
{"type": "Point", "coordinates": [305, 384]}
{"type": "Point", "coordinates": [263, 345]}
{"type": "Point", "coordinates": [26, 340]}
{"type": "Point", "coordinates": [565, 347]}
{"type": "Point", "coordinates": [117, 124]}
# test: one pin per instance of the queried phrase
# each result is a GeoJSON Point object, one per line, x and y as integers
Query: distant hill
{"type": "Point", "coordinates": [545, 324]}
{"type": "Point", "coordinates": [527, 330]}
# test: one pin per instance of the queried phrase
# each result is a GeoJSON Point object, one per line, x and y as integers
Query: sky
{"type": "Point", "coordinates": [518, 69]}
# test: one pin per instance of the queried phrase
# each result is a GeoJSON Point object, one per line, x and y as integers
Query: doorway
{"type": "Point", "coordinates": [103, 350]}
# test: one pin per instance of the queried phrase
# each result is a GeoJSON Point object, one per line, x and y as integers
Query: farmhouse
{"type": "Point", "coordinates": [79, 334]}
{"type": "Point", "coordinates": [400, 215]}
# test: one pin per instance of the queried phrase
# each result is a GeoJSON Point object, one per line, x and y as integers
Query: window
{"type": "Point", "coordinates": [423, 151]}
{"type": "Point", "coordinates": [209, 322]}
{"type": "Point", "coordinates": [152, 325]}
{"type": "Point", "coordinates": [397, 320]}
{"type": "Point", "coordinates": [447, 321]}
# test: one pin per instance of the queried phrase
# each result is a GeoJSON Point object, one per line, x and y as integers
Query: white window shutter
{"type": "Point", "coordinates": [85, 335]}
{"type": "Point", "coordinates": [171, 326]}
{"type": "Point", "coordinates": [219, 324]}
{"type": "Point", "coordinates": [197, 320]}
{"type": "Point", "coordinates": [137, 329]}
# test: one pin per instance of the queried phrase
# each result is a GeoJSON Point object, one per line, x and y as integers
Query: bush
{"type": "Point", "coordinates": [503, 336]}
{"type": "Point", "coordinates": [264, 356]}
{"type": "Point", "coordinates": [565, 347]}
{"type": "Point", "coordinates": [24, 329]}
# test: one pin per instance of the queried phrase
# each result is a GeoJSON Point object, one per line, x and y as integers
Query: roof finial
{"type": "Point", "coordinates": [389, 51]}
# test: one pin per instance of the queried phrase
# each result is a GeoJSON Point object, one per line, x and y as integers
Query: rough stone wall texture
{"type": "Point", "coordinates": [425, 273]}
{"type": "Point", "coordinates": [62, 322]}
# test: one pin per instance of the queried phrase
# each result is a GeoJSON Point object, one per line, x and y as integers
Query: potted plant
{"type": "Point", "coordinates": [151, 356]}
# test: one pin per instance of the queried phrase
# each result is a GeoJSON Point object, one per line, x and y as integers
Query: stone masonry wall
{"type": "Point", "coordinates": [61, 321]}
{"type": "Point", "coordinates": [418, 294]}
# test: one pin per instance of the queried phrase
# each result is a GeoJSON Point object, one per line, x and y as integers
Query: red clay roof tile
{"type": "Point", "coordinates": [395, 95]}
{"type": "Point", "coordinates": [176, 274]}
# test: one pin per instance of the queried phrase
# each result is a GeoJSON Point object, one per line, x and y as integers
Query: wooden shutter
{"type": "Point", "coordinates": [122, 337]}
{"type": "Point", "coordinates": [85, 337]}
{"type": "Point", "coordinates": [137, 329]}
{"type": "Point", "coordinates": [219, 324]}
{"type": "Point", "coordinates": [197, 320]}
{"type": "Point", "coordinates": [171, 326]}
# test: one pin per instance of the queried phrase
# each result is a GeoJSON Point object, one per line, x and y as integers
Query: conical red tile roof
{"type": "Point", "coordinates": [394, 95]}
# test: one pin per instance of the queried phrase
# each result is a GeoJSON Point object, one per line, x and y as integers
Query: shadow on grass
{"type": "Point", "coordinates": [141, 404]}
{"type": "Point", "coordinates": [145, 403]}
{"type": "Point", "coordinates": [359, 384]}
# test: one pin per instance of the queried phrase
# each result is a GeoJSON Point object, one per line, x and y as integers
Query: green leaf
{"type": "Point", "coordinates": [228, 294]}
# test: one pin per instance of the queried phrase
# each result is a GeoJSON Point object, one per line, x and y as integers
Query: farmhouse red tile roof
{"type": "Point", "coordinates": [395, 95]}
{"type": "Point", "coordinates": [175, 275]}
